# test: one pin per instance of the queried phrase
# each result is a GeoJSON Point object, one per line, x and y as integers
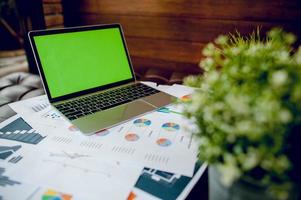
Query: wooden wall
{"type": "Point", "coordinates": [166, 36]}
{"type": "Point", "coordinates": [53, 12]}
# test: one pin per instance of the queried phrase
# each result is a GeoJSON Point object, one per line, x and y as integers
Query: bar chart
{"type": "Point", "coordinates": [6, 151]}
{"type": "Point", "coordinates": [4, 180]}
{"type": "Point", "coordinates": [40, 107]}
{"type": "Point", "coordinates": [19, 130]}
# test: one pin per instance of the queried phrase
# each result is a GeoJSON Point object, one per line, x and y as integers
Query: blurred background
{"type": "Point", "coordinates": [164, 37]}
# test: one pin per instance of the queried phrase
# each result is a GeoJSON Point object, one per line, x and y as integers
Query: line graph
{"type": "Point", "coordinates": [73, 166]}
{"type": "Point", "coordinates": [68, 155]}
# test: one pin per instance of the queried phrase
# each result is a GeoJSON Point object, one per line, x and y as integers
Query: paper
{"type": "Point", "coordinates": [64, 134]}
{"type": "Point", "coordinates": [154, 184]}
{"type": "Point", "coordinates": [27, 170]}
{"type": "Point", "coordinates": [18, 130]}
{"type": "Point", "coordinates": [179, 91]}
{"type": "Point", "coordinates": [156, 140]}
{"type": "Point", "coordinates": [12, 151]}
{"type": "Point", "coordinates": [13, 189]}
{"type": "Point", "coordinates": [17, 138]}
{"type": "Point", "coordinates": [80, 175]}
{"type": "Point", "coordinates": [152, 140]}
{"type": "Point", "coordinates": [39, 107]}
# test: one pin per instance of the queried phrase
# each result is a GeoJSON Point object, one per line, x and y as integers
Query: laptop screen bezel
{"type": "Point", "coordinates": [31, 36]}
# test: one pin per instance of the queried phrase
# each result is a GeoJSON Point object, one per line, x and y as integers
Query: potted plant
{"type": "Point", "coordinates": [247, 107]}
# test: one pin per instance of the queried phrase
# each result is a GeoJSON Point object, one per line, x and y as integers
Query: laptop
{"type": "Point", "coordinates": [88, 76]}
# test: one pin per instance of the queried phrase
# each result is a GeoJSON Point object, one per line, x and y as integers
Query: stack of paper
{"type": "Point", "coordinates": [44, 155]}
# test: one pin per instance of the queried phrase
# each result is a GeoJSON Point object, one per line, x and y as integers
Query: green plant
{"type": "Point", "coordinates": [248, 109]}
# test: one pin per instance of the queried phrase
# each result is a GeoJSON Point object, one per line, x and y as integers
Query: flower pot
{"type": "Point", "coordinates": [239, 190]}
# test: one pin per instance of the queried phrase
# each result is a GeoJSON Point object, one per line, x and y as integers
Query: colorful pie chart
{"type": "Point", "coordinates": [163, 142]}
{"type": "Point", "coordinates": [186, 98]}
{"type": "Point", "coordinates": [131, 137]}
{"type": "Point", "coordinates": [168, 110]}
{"type": "Point", "coordinates": [102, 132]}
{"type": "Point", "coordinates": [170, 126]}
{"type": "Point", "coordinates": [54, 195]}
{"type": "Point", "coordinates": [142, 122]}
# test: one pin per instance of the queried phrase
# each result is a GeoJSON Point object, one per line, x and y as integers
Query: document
{"type": "Point", "coordinates": [29, 171]}
{"type": "Point", "coordinates": [180, 91]}
{"type": "Point", "coordinates": [14, 149]}
{"type": "Point", "coordinates": [154, 184]}
{"type": "Point", "coordinates": [78, 175]}
{"type": "Point", "coordinates": [157, 140]}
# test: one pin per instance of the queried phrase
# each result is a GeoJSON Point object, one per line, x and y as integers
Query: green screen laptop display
{"type": "Point", "coordinates": [77, 61]}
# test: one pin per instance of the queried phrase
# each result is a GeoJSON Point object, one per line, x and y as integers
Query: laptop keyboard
{"type": "Point", "coordinates": [102, 101]}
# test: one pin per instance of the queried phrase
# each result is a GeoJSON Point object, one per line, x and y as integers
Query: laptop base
{"type": "Point", "coordinates": [121, 113]}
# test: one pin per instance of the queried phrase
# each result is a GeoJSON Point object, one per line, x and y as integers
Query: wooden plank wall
{"type": "Point", "coordinates": [169, 34]}
{"type": "Point", "coordinates": [53, 12]}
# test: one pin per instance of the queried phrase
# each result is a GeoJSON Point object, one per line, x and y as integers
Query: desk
{"type": "Point", "coordinates": [199, 190]}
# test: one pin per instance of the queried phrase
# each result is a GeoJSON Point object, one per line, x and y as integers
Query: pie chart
{"type": "Point", "coordinates": [186, 98]}
{"type": "Point", "coordinates": [142, 122]}
{"type": "Point", "coordinates": [170, 126]}
{"type": "Point", "coordinates": [131, 137]}
{"type": "Point", "coordinates": [163, 142]}
{"type": "Point", "coordinates": [54, 195]}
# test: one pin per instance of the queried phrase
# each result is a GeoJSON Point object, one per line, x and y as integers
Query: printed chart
{"type": "Point", "coordinates": [170, 126]}
{"type": "Point", "coordinates": [76, 175]}
{"type": "Point", "coordinates": [28, 107]}
{"type": "Point", "coordinates": [64, 154]}
{"type": "Point", "coordinates": [5, 180]}
{"type": "Point", "coordinates": [155, 140]}
{"type": "Point", "coordinates": [168, 110]}
{"type": "Point", "coordinates": [55, 195]}
{"type": "Point", "coordinates": [8, 151]}
{"type": "Point", "coordinates": [142, 122]}
{"type": "Point", "coordinates": [186, 98]}
{"type": "Point", "coordinates": [153, 128]}
{"type": "Point", "coordinates": [52, 115]}
{"type": "Point", "coordinates": [12, 188]}
{"type": "Point", "coordinates": [39, 106]}
{"type": "Point", "coordinates": [131, 137]}
{"type": "Point", "coordinates": [76, 168]}
{"type": "Point", "coordinates": [139, 140]}
{"type": "Point", "coordinates": [157, 184]}
{"type": "Point", "coordinates": [19, 130]}
{"type": "Point", "coordinates": [163, 142]}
